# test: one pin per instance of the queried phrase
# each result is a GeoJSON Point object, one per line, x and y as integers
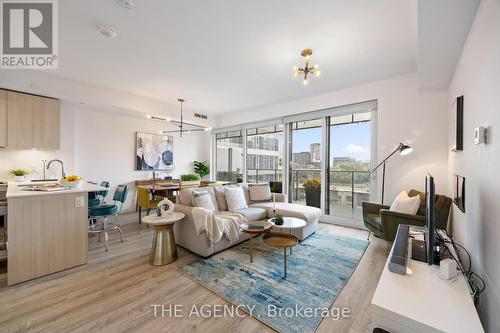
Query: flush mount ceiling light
{"type": "Point", "coordinates": [184, 127]}
{"type": "Point", "coordinates": [307, 69]}
{"type": "Point", "coordinates": [107, 31]}
{"type": "Point", "coordinates": [126, 4]}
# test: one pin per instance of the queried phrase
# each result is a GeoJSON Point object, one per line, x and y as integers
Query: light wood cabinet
{"type": "Point", "coordinates": [31, 121]}
{"type": "Point", "coordinates": [3, 118]}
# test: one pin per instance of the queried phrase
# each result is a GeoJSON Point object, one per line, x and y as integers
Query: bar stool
{"type": "Point", "coordinates": [96, 199]}
{"type": "Point", "coordinates": [102, 212]}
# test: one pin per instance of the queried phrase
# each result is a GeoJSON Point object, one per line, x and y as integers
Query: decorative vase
{"type": "Point", "coordinates": [165, 206]}
{"type": "Point", "coordinates": [19, 178]}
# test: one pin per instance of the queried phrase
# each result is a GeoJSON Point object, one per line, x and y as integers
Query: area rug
{"type": "Point", "coordinates": [318, 269]}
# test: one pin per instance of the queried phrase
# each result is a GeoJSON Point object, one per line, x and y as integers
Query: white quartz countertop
{"type": "Point", "coordinates": [16, 191]}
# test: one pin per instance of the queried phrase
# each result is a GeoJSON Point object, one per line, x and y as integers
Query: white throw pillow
{"type": "Point", "coordinates": [203, 199]}
{"type": "Point", "coordinates": [259, 192]}
{"type": "Point", "coordinates": [235, 198]}
{"type": "Point", "coordinates": [406, 205]}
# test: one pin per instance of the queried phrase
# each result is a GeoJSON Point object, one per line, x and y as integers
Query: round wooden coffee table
{"type": "Point", "coordinates": [246, 228]}
{"type": "Point", "coordinates": [289, 223]}
{"type": "Point", "coordinates": [280, 239]}
{"type": "Point", "coordinates": [163, 251]}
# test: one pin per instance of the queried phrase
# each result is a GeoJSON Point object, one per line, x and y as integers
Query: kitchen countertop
{"type": "Point", "coordinates": [14, 191]}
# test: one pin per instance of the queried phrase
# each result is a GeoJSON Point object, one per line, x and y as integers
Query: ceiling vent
{"type": "Point", "coordinates": [202, 116]}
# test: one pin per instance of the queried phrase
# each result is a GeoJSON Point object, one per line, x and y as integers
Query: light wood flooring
{"type": "Point", "coordinates": [115, 290]}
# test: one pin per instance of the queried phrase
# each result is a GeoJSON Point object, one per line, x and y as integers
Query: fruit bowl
{"type": "Point", "coordinates": [72, 181]}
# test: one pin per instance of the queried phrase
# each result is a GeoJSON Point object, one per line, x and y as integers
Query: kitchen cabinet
{"type": "Point", "coordinates": [31, 121]}
{"type": "Point", "coordinates": [3, 118]}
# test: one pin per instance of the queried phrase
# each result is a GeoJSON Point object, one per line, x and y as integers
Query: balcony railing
{"type": "Point", "coordinates": [264, 175]}
{"type": "Point", "coordinates": [346, 188]}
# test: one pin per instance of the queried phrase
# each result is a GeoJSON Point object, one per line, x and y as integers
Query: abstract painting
{"type": "Point", "coordinates": [154, 152]}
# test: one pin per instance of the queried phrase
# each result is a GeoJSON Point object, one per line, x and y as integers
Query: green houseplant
{"type": "Point", "coordinates": [202, 169]}
{"type": "Point", "coordinates": [19, 174]}
{"type": "Point", "coordinates": [190, 177]}
{"type": "Point", "coordinates": [278, 219]}
{"type": "Point", "coordinates": [312, 188]}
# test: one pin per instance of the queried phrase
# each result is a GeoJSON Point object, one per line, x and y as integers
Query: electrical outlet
{"type": "Point", "coordinates": [79, 202]}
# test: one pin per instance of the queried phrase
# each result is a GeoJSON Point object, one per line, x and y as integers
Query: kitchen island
{"type": "Point", "coordinates": [47, 231]}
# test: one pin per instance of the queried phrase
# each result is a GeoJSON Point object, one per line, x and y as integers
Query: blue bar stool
{"type": "Point", "coordinates": [102, 212]}
{"type": "Point", "coordinates": [96, 199]}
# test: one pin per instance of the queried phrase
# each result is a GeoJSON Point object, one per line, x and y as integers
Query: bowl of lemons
{"type": "Point", "coordinates": [72, 181]}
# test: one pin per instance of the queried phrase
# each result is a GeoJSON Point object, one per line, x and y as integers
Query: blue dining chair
{"type": "Point", "coordinates": [97, 198]}
{"type": "Point", "coordinates": [102, 212]}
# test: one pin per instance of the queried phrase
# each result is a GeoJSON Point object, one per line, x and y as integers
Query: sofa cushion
{"type": "Point", "coordinates": [186, 196]}
{"type": "Point", "coordinates": [253, 213]}
{"type": "Point", "coordinates": [235, 198]}
{"type": "Point", "coordinates": [307, 213]}
{"type": "Point", "coordinates": [374, 220]}
{"type": "Point", "coordinates": [246, 192]}
{"type": "Point", "coordinates": [202, 199]}
{"type": "Point", "coordinates": [259, 192]}
{"type": "Point", "coordinates": [220, 197]}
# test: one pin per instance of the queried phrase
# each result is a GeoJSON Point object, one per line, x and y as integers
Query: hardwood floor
{"type": "Point", "coordinates": [115, 290]}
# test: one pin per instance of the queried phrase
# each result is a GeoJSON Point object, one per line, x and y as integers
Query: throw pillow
{"type": "Point", "coordinates": [406, 205]}
{"type": "Point", "coordinates": [202, 199]}
{"type": "Point", "coordinates": [259, 192]}
{"type": "Point", "coordinates": [235, 198]}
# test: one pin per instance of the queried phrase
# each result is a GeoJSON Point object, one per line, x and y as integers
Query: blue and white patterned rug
{"type": "Point", "coordinates": [318, 269]}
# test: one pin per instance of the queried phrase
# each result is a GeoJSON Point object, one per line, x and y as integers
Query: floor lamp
{"type": "Point", "coordinates": [403, 150]}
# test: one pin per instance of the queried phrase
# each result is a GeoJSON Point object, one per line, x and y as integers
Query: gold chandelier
{"type": "Point", "coordinates": [307, 69]}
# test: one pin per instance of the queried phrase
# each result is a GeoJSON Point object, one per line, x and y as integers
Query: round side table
{"type": "Point", "coordinates": [247, 228]}
{"type": "Point", "coordinates": [163, 251]}
{"type": "Point", "coordinates": [289, 223]}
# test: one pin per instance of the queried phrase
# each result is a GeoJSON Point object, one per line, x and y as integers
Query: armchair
{"type": "Point", "coordinates": [383, 223]}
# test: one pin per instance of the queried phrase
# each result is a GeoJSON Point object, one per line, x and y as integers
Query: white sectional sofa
{"type": "Point", "coordinates": [187, 236]}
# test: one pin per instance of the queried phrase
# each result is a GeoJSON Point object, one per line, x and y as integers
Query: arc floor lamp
{"type": "Point", "coordinates": [403, 150]}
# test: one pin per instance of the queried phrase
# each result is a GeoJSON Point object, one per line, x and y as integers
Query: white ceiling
{"type": "Point", "coordinates": [443, 27]}
{"type": "Point", "coordinates": [229, 55]}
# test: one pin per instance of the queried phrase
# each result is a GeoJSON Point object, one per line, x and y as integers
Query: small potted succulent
{"type": "Point", "coordinates": [278, 219]}
{"type": "Point", "coordinates": [19, 174]}
{"type": "Point", "coordinates": [313, 192]}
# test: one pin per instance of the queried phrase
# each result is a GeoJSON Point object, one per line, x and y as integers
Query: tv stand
{"type": "Point", "coordinates": [421, 302]}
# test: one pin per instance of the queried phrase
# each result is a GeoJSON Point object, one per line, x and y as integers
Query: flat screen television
{"type": "Point", "coordinates": [430, 218]}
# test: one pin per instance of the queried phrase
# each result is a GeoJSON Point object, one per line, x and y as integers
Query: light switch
{"type": "Point", "coordinates": [79, 202]}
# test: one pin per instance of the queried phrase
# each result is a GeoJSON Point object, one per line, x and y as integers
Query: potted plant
{"type": "Point", "coordinates": [312, 188]}
{"type": "Point", "coordinates": [19, 174]}
{"type": "Point", "coordinates": [278, 219]}
{"type": "Point", "coordinates": [202, 169]}
{"type": "Point", "coordinates": [190, 180]}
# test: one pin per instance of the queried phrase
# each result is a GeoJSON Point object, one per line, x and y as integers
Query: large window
{"type": "Point", "coordinates": [229, 155]}
{"type": "Point", "coordinates": [265, 154]}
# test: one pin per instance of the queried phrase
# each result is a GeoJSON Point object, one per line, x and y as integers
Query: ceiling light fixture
{"type": "Point", "coordinates": [107, 31]}
{"type": "Point", "coordinates": [126, 4]}
{"type": "Point", "coordinates": [307, 69]}
{"type": "Point", "coordinates": [184, 127]}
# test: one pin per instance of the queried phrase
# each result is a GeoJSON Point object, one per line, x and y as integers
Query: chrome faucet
{"type": "Point", "coordinates": [62, 166]}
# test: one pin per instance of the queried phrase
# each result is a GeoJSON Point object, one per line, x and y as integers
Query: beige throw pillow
{"type": "Point", "coordinates": [406, 205]}
{"type": "Point", "coordinates": [203, 199]}
{"type": "Point", "coordinates": [235, 198]}
{"type": "Point", "coordinates": [259, 192]}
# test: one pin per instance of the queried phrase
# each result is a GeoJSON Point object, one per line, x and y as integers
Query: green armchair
{"type": "Point", "coordinates": [384, 223]}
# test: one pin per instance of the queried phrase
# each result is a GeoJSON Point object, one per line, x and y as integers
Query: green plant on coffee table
{"type": "Point", "coordinates": [201, 168]}
{"type": "Point", "coordinates": [313, 184]}
{"type": "Point", "coordinates": [278, 219]}
{"type": "Point", "coordinates": [189, 177]}
{"type": "Point", "coordinates": [18, 172]}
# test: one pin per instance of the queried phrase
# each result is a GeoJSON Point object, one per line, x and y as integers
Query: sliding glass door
{"type": "Point", "coordinates": [229, 156]}
{"type": "Point", "coordinates": [348, 176]}
{"type": "Point", "coordinates": [305, 163]}
{"type": "Point", "coordinates": [264, 161]}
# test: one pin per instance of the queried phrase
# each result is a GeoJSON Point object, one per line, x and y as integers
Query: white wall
{"type": "Point", "coordinates": [105, 148]}
{"type": "Point", "coordinates": [101, 146]}
{"type": "Point", "coordinates": [477, 77]}
{"type": "Point", "coordinates": [404, 115]}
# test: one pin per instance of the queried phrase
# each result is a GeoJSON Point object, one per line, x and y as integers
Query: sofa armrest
{"type": "Point", "coordinates": [391, 220]}
{"type": "Point", "coordinates": [187, 210]}
{"type": "Point", "coordinates": [280, 197]}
